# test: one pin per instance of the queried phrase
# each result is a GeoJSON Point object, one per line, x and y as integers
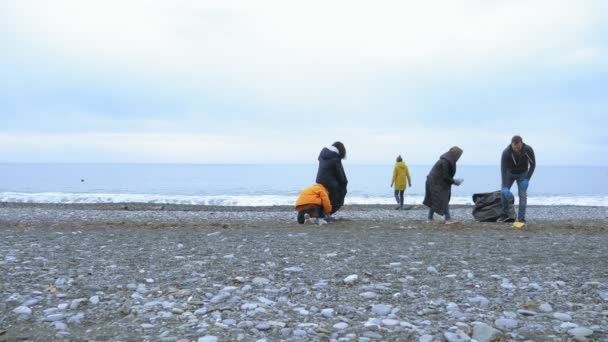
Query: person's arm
{"type": "Point", "coordinates": [446, 172]}
{"type": "Point", "coordinates": [340, 175]}
{"type": "Point", "coordinates": [531, 161]}
{"type": "Point", "coordinates": [325, 202]}
{"type": "Point", "coordinates": [503, 167]}
{"type": "Point", "coordinates": [407, 176]}
{"type": "Point", "coordinates": [394, 176]}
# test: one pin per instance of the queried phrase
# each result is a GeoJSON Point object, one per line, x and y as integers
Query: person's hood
{"type": "Point", "coordinates": [456, 152]}
{"type": "Point", "coordinates": [400, 165]}
{"type": "Point", "coordinates": [328, 153]}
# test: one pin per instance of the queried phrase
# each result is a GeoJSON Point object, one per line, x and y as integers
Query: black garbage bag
{"type": "Point", "coordinates": [488, 207]}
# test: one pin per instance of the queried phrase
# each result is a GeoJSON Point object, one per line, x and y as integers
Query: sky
{"type": "Point", "coordinates": [275, 81]}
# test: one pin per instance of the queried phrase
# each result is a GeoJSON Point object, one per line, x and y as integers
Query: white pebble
{"type": "Point", "coordinates": [94, 300]}
{"type": "Point", "coordinates": [340, 326]}
{"type": "Point", "coordinates": [351, 279]}
{"type": "Point", "coordinates": [22, 310]}
{"type": "Point", "coordinates": [562, 316]}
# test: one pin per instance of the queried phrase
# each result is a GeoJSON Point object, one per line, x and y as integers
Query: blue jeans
{"type": "Point", "coordinates": [399, 196]}
{"type": "Point", "coordinates": [523, 195]}
{"type": "Point", "coordinates": [447, 213]}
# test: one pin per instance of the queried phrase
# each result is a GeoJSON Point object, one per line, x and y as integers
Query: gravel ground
{"type": "Point", "coordinates": [184, 273]}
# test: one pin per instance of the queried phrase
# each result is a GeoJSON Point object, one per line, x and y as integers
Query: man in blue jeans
{"type": "Point", "coordinates": [517, 165]}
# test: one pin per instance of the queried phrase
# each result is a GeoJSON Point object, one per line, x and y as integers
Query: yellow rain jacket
{"type": "Point", "coordinates": [401, 176]}
{"type": "Point", "coordinates": [314, 195]}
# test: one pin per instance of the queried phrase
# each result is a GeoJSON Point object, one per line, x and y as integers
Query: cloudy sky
{"type": "Point", "coordinates": [274, 81]}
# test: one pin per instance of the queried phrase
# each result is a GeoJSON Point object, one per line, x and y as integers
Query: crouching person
{"type": "Point", "coordinates": [314, 202]}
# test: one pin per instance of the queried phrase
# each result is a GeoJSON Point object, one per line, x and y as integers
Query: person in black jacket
{"type": "Point", "coordinates": [516, 165]}
{"type": "Point", "coordinates": [331, 174]}
{"type": "Point", "coordinates": [438, 189]}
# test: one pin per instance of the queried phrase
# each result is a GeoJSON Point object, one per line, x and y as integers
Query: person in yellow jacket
{"type": "Point", "coordinates": [401, 176]}
{"type": "Point", "coordinates": [315, 202]}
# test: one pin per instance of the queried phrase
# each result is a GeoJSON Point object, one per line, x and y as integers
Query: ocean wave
{"type": "Point", "coordinates": [258, 200]}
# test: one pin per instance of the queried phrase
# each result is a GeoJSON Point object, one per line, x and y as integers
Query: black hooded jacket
{"type": "Point", "coordinates": [331, 175]}
{"type": "Point", "coordinates": [438, 189]}
{"type": "Point", "coordinates": [524, 162]}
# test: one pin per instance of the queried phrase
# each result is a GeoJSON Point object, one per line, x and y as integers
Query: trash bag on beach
{"type": "Point", "coordinates": [488, 207]}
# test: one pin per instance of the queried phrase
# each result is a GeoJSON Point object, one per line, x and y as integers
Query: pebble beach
{"type": "Point", "coordinates": [151, 272]}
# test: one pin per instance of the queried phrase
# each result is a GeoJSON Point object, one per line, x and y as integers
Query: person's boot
{"type": "Point", "coordinates": [301, 218]}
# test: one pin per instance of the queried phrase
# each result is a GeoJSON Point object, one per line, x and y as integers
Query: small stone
{"type": "Point", "coordinates": [60, 326]}
{"type": "Point", "coordinates": [483, 301]}
{"type": "Point", "coordinates": [219, 298]}
{"type": "Point", "coordinates": [54, 318]}
{"type": "Point", "coordinates": [263, 326]}
{"type": "Point", "coordinates": [526, 313]}
{"type": "Point", "coordinates": [208, 338]}
{"type": "Point", "coordinates": [426, 338]}
{"type": "Point", "coordinates": [94, 300]}
{"type": "Point", "coordinates": [327, 313]}
{"type": "Point", "coordinates": [482, 332]}
{"type": "Point", "coordinates": [31, 302]}
{"type": "Point", "coordinates": [147, 326]}
{"type": "Point", "coordinates": [506, 323]}
{"type": "Point", "coordinates": [301, 311]}
{"type": "Point", "coordinates": [432, 269]}
{"type": "Point", "coordinates": [294, 269]}
{"type": "Point", "coordinates": [260, 281]}
{"type": "Point", "coordinates": [390, 322]}
{"type": "Point", "coordinates": [229, 322]}
{"type": "Point", "coordinates": [340, 326]}
{"type": "Point", "coordinates": [580, 332]}
{"type": "Point", "coordinates": [372, 334]}
{"type": "Point", "coordinates": [381, 309]}
{"type": "Point", "coordinates": [77, 318]}
{"type": "Point", "coordinates": [245, 325]}
{"type": "Point", "coordinates": [22, 310]}
{"type": "Point", "coordinates": [452, 307]}
{"type": "Point", "coordinates": [76, 303]}
{"type": "Point", "coordinates": [458, 336]}
{"type": "Point", "coordinates": [562, 316]}
{"type": "Point", "coordinates": [568, 325]}
{"type": "Point", "coordinates": [351, 279]}
{"type": "Point", "coordinates": [545, 307]}
{"type": "Point", "coordinates": [299, 333]}
{"type": "Point", "coordinates": [369, 295]}
{"type": "Point", "coordinates": [201, 312]}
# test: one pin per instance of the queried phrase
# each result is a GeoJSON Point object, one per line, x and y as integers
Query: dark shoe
{"type": "Point", "coordinates": [399, 207]}
{"type": "Point", "coordinates": [522, 221]}
{"type": "Point", "coordinates": [301, 217]}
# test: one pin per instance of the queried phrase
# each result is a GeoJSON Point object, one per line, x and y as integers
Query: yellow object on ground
{"type": "Point", "coordinates": [518, 224]}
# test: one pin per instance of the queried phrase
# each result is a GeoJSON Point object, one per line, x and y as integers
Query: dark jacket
{"type": "Point", "coordinates": [524, 162]}
{"type": "Point", "coordinates": [331, 175]}
{"type": "Point", "coordinates": [439, 183]}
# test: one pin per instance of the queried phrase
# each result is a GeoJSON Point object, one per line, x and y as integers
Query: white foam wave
{"type": "Point", "coordinates": [258, 200]}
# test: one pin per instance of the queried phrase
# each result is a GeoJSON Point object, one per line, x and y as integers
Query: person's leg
{"type": "Point", "coordinates": [523, 200]}
{"type": "Point", "coordinates": [401, 194]}
{"type": "Point", "coordinates": [319, 212]}
{"type": "Point", "coordinates": [447, 213]}
{"type": "Point", "coordinates": [430, 217]}
{"type": "Point", "coordinates": [505, 201]}
{"type": "Point", "coordinates": [397, 196]}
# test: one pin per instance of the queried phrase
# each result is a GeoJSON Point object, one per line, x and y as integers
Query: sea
{"type": "Point", "coordinates": [271, 185]}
